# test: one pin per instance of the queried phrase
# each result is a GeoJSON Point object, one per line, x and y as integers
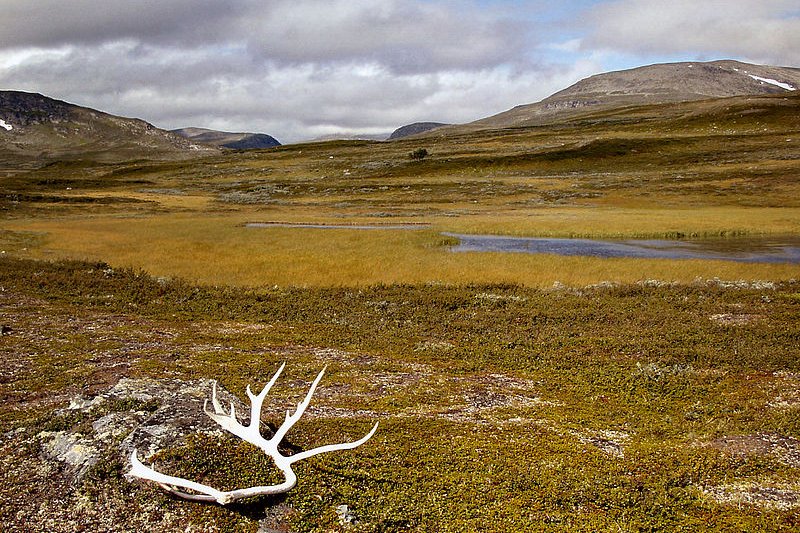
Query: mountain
{"type": "Point", "coordinates": [35, 129]}
{"type": "Point", "coordinates": [349, 136]}
{"type": "Point", "coordinates": [224, 139]}
{"type": "Point", "coordinates": [654, 84]}
{"type": "Point", "coordinates": [414, 129]}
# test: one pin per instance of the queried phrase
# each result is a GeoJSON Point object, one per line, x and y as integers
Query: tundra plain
{"type": "Point", "coordinates": [514, 392]}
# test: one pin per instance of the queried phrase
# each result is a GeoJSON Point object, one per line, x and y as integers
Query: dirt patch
{"type": "Point", "coordinates": [240, 328]}
{"type": "Point", "coordinates": [781, 497]}
{"type": "Point", "coordinates": [735, 319]}
{"type": "Point", "coordinates": [607, 441]}
{"type": "Point", "coordinates": [478, 399]}
{"type": "Point", "coordinates": [789, 387]}
{"type": "Point", "coordinates": [784, 449]}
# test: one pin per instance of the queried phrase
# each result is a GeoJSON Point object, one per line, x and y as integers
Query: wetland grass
{"type": "Point", "coordinates": [221, 251]}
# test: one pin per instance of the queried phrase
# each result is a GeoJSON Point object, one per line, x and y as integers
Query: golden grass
{"type": "Point", "coordinates": [617, 222]}
{"type": "Point", "coordinates": [218, 250]}
{"type": "Point", "coordinates": [664, 177]}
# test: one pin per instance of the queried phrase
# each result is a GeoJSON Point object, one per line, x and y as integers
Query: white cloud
{"type": "Point", "coordinates": [571, 45]}
{"type": "Point", "coordinates": [766, 31]}
{"type": "Point", "coordinates": [290, 68]}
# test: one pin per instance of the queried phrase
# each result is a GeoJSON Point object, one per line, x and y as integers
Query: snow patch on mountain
{"type": "Point", "coordinates": [4, 124]}
{"type": "Point", "coordinates": [777, 83]}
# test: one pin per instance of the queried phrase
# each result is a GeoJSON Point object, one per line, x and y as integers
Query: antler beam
{"type": "Point", "coordinates": [250, 433]}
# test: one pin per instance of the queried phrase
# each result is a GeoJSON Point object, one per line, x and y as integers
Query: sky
{"type": "Point", "coordinates": [302, 69]}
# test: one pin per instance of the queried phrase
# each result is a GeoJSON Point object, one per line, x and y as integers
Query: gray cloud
{"type": "Point", "coordinates": [300, 68]}
{"type": "Point", "coordinates": [766, 31]}
{"type": "Point", "coordinates": [291, 68]}
{"type": "Point", "coordinates": [403, 35]}
{"type": "Point", "coordinates": [45, 23]}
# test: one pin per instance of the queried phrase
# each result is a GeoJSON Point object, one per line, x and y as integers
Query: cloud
{"type": "Point", "coordinates": [53, 23]}
{"type": "Point", "coordinates": [300, 68]}
{"type": "Point", "coordinates": [766, 31]}
{"type": "Point", "coordinates": [291, 68]}
{"type": "Point", "coordinates": [173, 88]}
{"type": "Point", "coordinates": [402, 35]}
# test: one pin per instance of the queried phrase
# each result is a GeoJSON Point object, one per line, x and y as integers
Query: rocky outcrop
{"type": "Point", "coordinates": [25, 109]}
{"type": "Point", "coordinates": [414, 129]}
{"type": "Point", "coordinates": [224, 139]}
{"type": "Point", "coordinates": [66, 472]}
{"type": "Point", "coordinates": [143, 414]}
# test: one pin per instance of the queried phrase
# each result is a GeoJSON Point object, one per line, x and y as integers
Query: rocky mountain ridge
{"type": "Point", "coordinates": [415, 128]}
{"type": "Point", "coordinates": [224, 139]}
{"type": "Point", "coordinates": [36, 127]}
{"type": "Point", "coordinates": [653, 84]}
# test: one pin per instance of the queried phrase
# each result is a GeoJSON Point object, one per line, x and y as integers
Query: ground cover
{"type": "Point", "coordinates": [640, 407]}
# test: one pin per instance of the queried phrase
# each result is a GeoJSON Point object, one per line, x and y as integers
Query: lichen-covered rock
{"type": "Point", "coordinates": [143, 414]}
{"type": "Point", "coordinates": [68, 471]}
{"type": "Point", "coordinates": [76, 452]}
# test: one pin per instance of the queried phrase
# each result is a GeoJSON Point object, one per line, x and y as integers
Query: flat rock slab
{"type": "Point", "coordinates": [147, 415]}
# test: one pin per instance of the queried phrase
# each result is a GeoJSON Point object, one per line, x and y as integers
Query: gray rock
{"type": "Point", "coordinates": [76, 452]}
{"type": "Point", "coordinates": [116, 428]}
{"type": "Point", "coordinates": [346, 516]}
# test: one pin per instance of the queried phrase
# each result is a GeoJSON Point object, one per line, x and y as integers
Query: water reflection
{"type": "Point", "coordinates": [748, 250]}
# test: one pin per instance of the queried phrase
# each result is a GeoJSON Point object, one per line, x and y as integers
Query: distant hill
{"type": "Point", "coordinates": [37, 129]}
{"type": "Point", "coordinates": [662, 83]}
{"type": "Point", "coordinates": [224, 139]}
{"type": "Point", "coordinates": [414, 129]}
{"type": "Point", "coordinates": [350, 136]}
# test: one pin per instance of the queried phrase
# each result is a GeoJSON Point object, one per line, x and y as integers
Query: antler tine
{"type": "Point", "coordinates": [214, 400]}
{"type": "Point", "coordinates": [333, 447]}
{"type": "Point", "coordinates": [257, 401]}
{"type": "Point", "coordinates": [169, 482]}
{"type": "Point", "coordinates": [228, 421]}
{"type": "Point", "coordinates": [291, 419]}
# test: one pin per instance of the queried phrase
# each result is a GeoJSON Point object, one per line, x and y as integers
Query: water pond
{"type": "Point", "coordinates": [742, 249]}
{"type": "Point", "coordinates": [748, 250]}
{"type": "Point", "coordinates": [335, 226]}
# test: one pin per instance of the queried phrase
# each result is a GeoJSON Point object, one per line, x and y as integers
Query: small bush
{"type": "Point", "coordinates": [419, 154]}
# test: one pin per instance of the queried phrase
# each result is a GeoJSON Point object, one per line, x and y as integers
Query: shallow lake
{"type": "Point", "coordinates": [335, 226]}
{"type": "Point", "coordinates": [748, 250]}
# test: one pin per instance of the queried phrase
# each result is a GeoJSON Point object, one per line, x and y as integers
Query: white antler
{"type": "Point", "coordinates": [252, 434]}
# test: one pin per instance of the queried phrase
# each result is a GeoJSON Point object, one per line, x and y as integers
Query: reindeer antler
{"type": "Point", "coordinates": [252, 434]}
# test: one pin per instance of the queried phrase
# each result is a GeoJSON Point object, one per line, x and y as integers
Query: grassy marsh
{"type": "Point", "coordinates": [219, 250]}
{"type": "Point", "coordinates": [701, 172]}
